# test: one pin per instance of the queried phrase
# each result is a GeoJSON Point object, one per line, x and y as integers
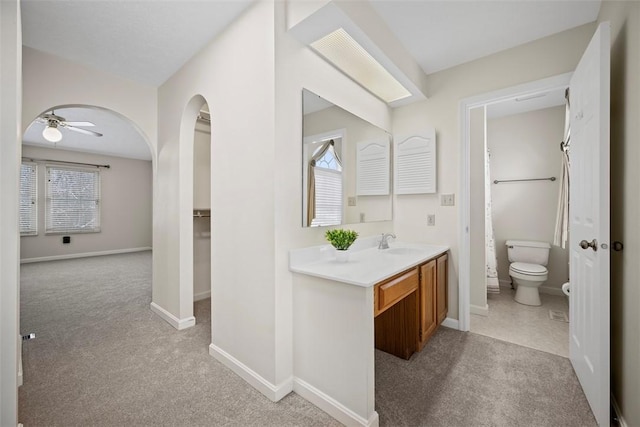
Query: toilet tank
{"type": "Point", "coordinates": [528, 251]}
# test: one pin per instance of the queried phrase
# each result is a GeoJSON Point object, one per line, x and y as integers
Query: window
{"type": "Point", "coordinates": [28, 199]}
{"type": "Point", "coordinates": [328, 190]}
{"type": "Point", "coordinates": [73, 200]}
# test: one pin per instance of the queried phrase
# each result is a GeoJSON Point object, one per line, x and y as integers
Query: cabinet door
{"type": "Point", "coordinates": [427, 295]}
{"type": "Point", "coordinates": [442, 291]}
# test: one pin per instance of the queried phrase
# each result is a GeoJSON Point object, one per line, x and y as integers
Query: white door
{"type": "Point", "coordinates": [589, 223]}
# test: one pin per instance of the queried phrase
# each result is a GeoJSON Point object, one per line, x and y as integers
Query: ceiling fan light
{"type": "Point", "coordinates": [52, 134]}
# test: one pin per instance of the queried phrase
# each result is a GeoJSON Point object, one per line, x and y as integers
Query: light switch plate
{"type": "Point", "coordinates": [447, 200]}
{"type": "Point", "coordinates": [351, 201]}
{"type": "Point", "coordinates": [431, 219]}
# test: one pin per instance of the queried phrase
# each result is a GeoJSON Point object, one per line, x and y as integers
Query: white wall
{"type": "Point", "coordinates": [235, 76]}
{"type": "Point", "coordinates": [10, 135]}
{"type": "Point", "coordinates": [256, 156]}
{"type": "Point", "coordinates": [76, 84]}
{"type": "Point", "coordinates": [625, 203]}
{"type": "Point", "coordinates": [546, 57]}
{"type": "Point", "coordinates": [202, 166]}
{"type": "Point", "coordinates": [478, 263]}
{"type": "Point", "coordinates": [125, 208]}
{"type": "Point", "coordinates": [527, 146]}
{"type": "Point", "coordinates": [298, 67]}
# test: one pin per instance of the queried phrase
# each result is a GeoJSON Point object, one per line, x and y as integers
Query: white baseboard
{"type": "Point", "coordinates": [331, 406]}
{"type": "Point", "coordinates": [451, 323]}
{"type": "Point", "coordinates": [179, 324]}
{"type": "Point", "coordinates": [482, 311]}
{"type": "Point", "coordinates": [201, 295]}
{"type": "Point", "coordinates": [621, 421]}
{"type": "Point", "coordinates": [551, 290]}
{"type": "Point", "coordinates": [504, 283]}
{"type": "Point", "coordinates": [84, 255]}
{"type": "Point", "coordinates": [271, 391]}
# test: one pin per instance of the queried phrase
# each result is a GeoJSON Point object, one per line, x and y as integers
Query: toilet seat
{"type": "Point", "coordinates": [528, 269]}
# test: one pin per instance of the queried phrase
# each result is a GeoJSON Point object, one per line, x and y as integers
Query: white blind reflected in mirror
{"type": "Point", "coordinates": [328, 197]}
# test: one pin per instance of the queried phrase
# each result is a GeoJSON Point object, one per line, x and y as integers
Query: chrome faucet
{"type": "Point", "coordinates": [383, 241]}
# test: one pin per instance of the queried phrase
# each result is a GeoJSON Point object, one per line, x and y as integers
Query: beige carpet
{"type": "Point", "coordinates": [102, 358]}
{"type": "Point", "coordinates": [465, 379]}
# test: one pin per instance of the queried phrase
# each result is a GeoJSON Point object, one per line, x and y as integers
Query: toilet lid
{"type": "Point", "coordinates": [526, 268]}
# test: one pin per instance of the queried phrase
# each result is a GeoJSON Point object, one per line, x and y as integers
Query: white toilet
{"type": "Point", "coordinates": [528, 268]}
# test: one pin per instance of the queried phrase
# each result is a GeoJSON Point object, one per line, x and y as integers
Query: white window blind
{"type": "Point", "coordinates": [28, 199]}
{"type": "Point", "coordinates": [328, 197]}
{"type": "Point", "coordinates": [73, 200]}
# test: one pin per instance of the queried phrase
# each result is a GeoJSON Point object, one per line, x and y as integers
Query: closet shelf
{"type": "Point", "coordinates": [202, 213]}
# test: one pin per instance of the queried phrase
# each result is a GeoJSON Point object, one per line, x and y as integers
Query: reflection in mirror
{"type": "Point", "coordinates": [345, 166]}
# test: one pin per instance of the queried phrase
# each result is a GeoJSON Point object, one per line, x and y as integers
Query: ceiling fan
{"type": "Point", "coordinates": [51, 132]}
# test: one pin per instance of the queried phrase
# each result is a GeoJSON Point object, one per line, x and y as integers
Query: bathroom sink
{"type": "Point", "coordinates": [402, 251]}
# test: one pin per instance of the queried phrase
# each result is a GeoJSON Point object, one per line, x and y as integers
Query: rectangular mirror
{"type": "Point", "coordinates": [346, 164]}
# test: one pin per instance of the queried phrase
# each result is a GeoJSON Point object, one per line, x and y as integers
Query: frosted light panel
{"type": "Point", "coordinates": [346, 54]}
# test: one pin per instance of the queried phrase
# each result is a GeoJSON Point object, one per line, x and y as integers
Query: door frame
{"type": "Point", "coordinates": [10, 153]}
{"type": "Point", "coordinates": [464, 236]}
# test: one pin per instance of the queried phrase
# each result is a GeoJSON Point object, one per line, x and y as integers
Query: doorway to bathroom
{"type": "Point", "coordinates": [516, 147]}
{"type": "Point", "coordinates": [588, 222]}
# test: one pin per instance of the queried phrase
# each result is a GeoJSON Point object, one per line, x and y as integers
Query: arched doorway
{"type": "Point", "coordinates": [87, 138]}
{"type": "Point", "coordinates": [195, 206]}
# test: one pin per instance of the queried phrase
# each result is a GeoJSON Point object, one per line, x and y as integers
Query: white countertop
{"type": "Point", "coordinates": [367, 265]}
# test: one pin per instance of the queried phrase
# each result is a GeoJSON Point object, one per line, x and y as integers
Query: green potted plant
{"type": "Point", "coordinates": [341, 239]}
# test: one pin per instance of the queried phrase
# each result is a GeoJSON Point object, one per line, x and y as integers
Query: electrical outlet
{"type": "Point", "coordinates": [447, 200]}
{"type": "Point", "coordinates": [361, 216]}
{"type": "Point", "coordinates": [431, 219]}
{"type": "Point", "coordinates": [351, 201]}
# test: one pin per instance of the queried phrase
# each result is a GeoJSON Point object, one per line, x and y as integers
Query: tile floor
{"type": "Point", "coordinates": [525, 325]}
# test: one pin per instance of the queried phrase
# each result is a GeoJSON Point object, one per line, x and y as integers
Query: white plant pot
{"type": "Point", "coordinates": [342, 256]}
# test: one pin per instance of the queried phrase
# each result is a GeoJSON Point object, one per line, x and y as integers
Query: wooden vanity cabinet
{"type": "Point", "coordinates": [409, 307]}
{"type": "Point", "coordinates": [433, 296]}
{"type": "Point", "coordinates": [428, 305]}
{"type": "Point", "coordinates": [396, 315]}
{"type": "Point", "coordinates": [442, 288]}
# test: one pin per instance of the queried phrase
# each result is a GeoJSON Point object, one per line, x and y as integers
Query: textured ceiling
{"type": "Point", "coordinates": [149, 40]}
{"type": "Point", "coordinates": [145, 41]}
{"type": "Point", "coordinates": [119, 138]}
{"type": "Point", "coordinates": [443, 34]}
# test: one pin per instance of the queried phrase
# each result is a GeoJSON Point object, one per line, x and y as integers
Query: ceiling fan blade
{"type": "Point", "coordinates": [80, 130]}
{"type": "Point", "coordinates": [80, 124]}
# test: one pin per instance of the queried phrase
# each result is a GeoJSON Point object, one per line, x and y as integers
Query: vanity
{"type": "Point", "coordinates": [409, 307]}
{"type": "Point", "coordinates": [391, 299]}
